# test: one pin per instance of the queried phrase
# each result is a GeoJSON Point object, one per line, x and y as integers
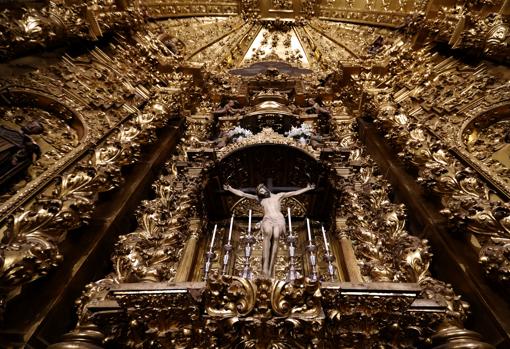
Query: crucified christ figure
{"type": "Point", "coordinates": [273, 222]}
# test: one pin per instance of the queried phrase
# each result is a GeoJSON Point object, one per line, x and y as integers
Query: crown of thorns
{"type": "Point", "coordinates": [260, 186]}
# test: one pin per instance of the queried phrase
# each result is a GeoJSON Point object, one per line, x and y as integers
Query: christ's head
{"type": "Point", "coordinates": [263, 192]}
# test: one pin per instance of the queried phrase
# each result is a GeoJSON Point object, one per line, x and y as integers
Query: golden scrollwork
{"type": "Point", "coordinates": [429, 118]}
{"type": "Point", "coordinates": [466, 26]}
{"type": "Point", "coordinates": [230, 296]}
{"type": "Point", "coordinates": [237, 307]}
{"type": "Point", "coordinates": [30, 243]}
{"type": "Point", "coordinates": [55, 23]}
{"type": "Point", "coordinates": [467, 199]}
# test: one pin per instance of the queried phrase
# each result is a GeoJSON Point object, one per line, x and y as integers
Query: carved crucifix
{"type": "Point", "coordinates": [273, 221]}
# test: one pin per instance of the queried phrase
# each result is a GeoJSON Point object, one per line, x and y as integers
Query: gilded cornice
{"type": "Point", "coordinates": [385, 19]}
{"type": "Point", "coordinates": [303, 311]}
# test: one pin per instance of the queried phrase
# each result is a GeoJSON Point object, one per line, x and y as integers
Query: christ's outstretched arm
{"type": "Point", "coordinates": [297, 192]}
{"type": "Point", "coordinates": [240, 192]}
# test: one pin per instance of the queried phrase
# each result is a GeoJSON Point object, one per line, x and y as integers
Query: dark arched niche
{"type": "Point", "coordinates": [281, 167]}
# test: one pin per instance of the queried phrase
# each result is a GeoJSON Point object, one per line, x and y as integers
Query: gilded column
{"type": "Point", "coordinates": [351, 263]}
{"type": "Point", "coordinates": [347, 259]}
{"type": "Point", "coordinates": [185, 269]}
{"type": "Point", "coordinates": [452, 336]}
{"type": "Point", "coordinates": [86, 336]}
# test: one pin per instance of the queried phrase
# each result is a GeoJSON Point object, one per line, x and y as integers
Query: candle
{"type": "Point", "coordinates": [249, 222]}
{"type": "Point", "coordinates": [213, 236]}
{"type": "Point", "coordinates": [309, 230]}
{"type": "Point", "coordinates": [325, 240]}
{"type": "Point", "coordinates": [230, 230]}
{"type": "Point", "coordinates": [290, 223]}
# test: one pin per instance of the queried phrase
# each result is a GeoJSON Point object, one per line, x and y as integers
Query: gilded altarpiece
{"type": "Point", "coordinates": [190, 275]}
{"type": "Point", "coordinates": [271, 92]}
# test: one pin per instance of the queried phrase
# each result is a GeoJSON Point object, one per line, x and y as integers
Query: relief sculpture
{"type": "Point", "coordinates": [17, 151]}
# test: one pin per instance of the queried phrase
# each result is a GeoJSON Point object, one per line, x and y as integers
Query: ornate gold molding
{"type": "Point", "coordinates": [236, 309]}
{"type": "Point", "coordinates": [29, 248]}
{"type": "Point", "coordinates": [119, 119]}
{"type": "Point", "coordinates": [267, 136]}
{"type": "Point", "coordinates": [54, 24]}
{"type": "Point", "coordinates": [28, 97]}
{"type": "Point", "coordinates": [479, 27]}
{"type": "Point", "coordinates": [468, 202]}
{"type": "Point", "coordinates": [382, 18]}
{"type": "Point", "coordinates": [177, 9]}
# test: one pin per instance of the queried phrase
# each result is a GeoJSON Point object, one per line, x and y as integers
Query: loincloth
{"type": "Point", "coordinates": [274, 222]}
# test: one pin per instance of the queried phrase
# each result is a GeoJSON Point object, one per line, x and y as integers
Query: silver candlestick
{"type": "Point", "coordinates": [328, 256]}
{"type": "Point", "coordinates": [210, 254]}
{"type": "Point", "coordinates": [291, 240]}
{"type": "Point", "coordinates": [311, 248]}
{"type": "Point", "coordinates": [227, 248]}
{"type": "Point", "coordinates": [248, 241]}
